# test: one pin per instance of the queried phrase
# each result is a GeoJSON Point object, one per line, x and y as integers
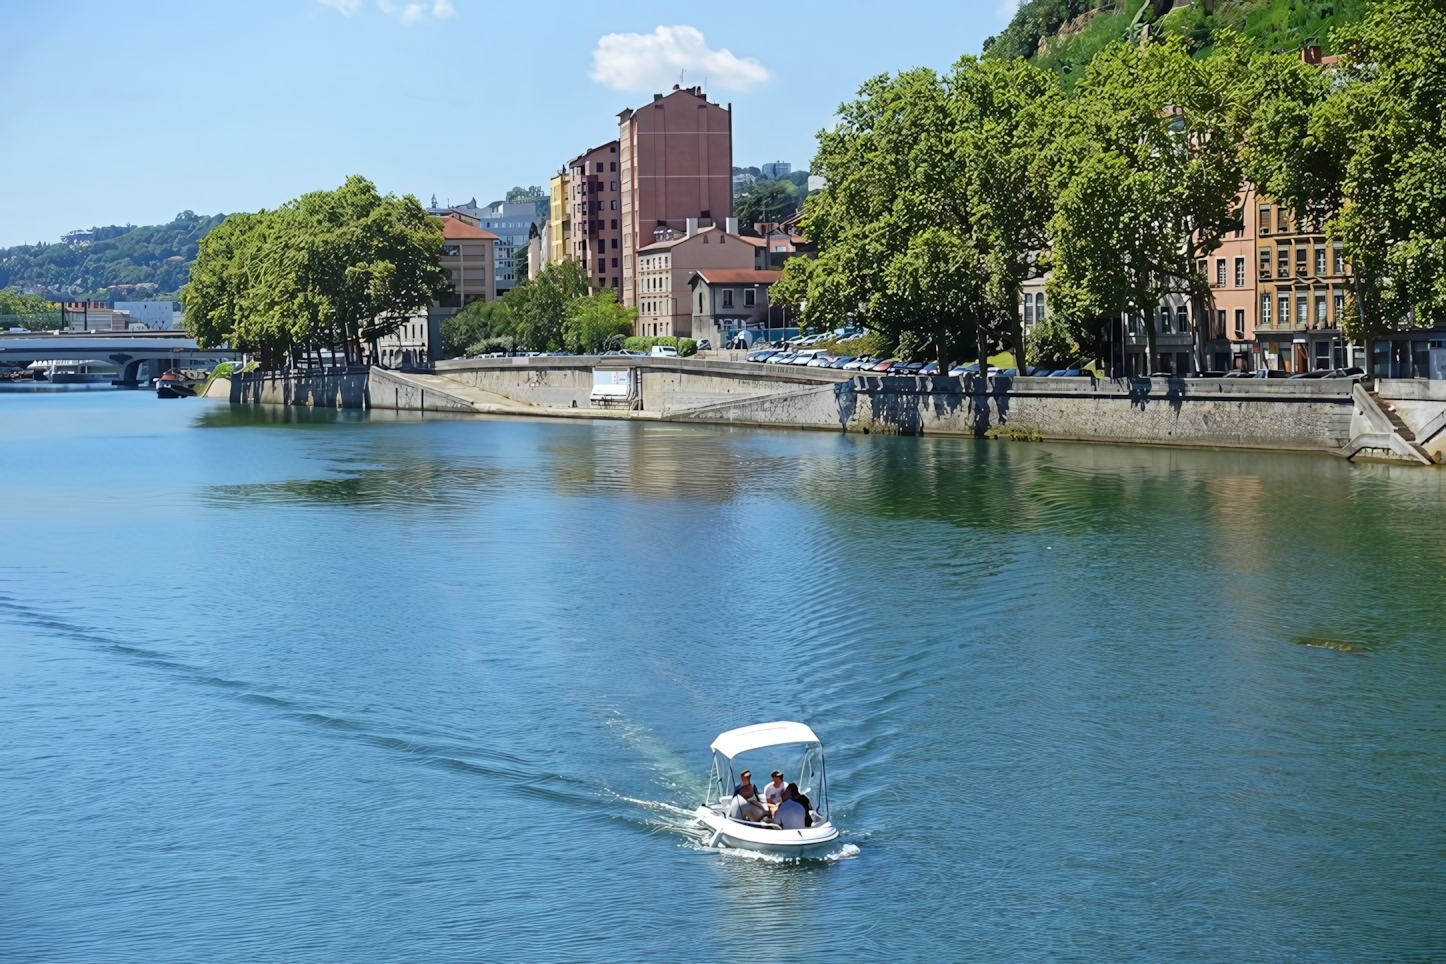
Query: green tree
{"type": "Point", "coordinates": [334, 268]}
{"type": "Point", "coordinates": [1370, 161]}
{"type": "Point", "coordinates": [480, 323]}
{"type": "Point", "coordinates": [1007, 114]}
{"type": "Point", "coordinates": [896, 236]}
{"type": "Point", "coordinates": [1148, 169]}
{"type": "Point", "coordinates": [591, 320]}
{"type": "Point", "coordinates": [767, 201]}
{"type": "Point", "coordinates": [539, 307]}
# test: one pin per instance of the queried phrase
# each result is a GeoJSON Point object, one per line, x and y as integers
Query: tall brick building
{"type": "Point", "coordinates": [594, 216]}
{"type": "Point", "coordinates": [675, 160]}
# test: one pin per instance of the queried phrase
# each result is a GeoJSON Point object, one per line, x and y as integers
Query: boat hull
{"type": "Point", "coordinates": [815, 841]}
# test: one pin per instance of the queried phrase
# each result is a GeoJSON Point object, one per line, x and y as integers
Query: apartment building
{"type": "Point", "coordinates": [675, 159]}
{"type": "Point", "coordinates": [559, 221]}
{"type": "Point", "coordinates": [1230, 330]}
{"type": "Point", "coordinates": [594, 210]}
{"type": "Point", "coordinates": [1303, 283]}
{"type": "Point", "coordinates": [513, 224]}
{"type": "Point", "coordinates": [469, 256]}
{"type": "Point", "coordinates": [666, 266]}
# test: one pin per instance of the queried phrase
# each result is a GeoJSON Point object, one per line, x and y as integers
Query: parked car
{"type": "Point", "coordinates": [1067, 373]}
{"type": "Point", "coordinates": [806, 355]}
{"type": "Point", "coordinates": [859, 364]}
{"type": "Point", "coordinates": [760, 356]}
{"type": "Point", "coordinates": [664, 351]}
{"type": "Point", "coordinates": [822, 361]}
{"type": "Point", "coordinates": [840, 361]}
{"type": "Point", "coordinates": [782, 358]}
{"type": "Point", "coordinates": [1271, 373]}
{"type": "Point", "coordinates": [1237, 373]}
{"type": "Point", "coordinates": [884, 365]}
{"type": "Point", "coordinates": [705, 344]}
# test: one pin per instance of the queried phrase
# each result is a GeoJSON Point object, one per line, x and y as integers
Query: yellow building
{"type": "Point", "coordinates": [559, 224]}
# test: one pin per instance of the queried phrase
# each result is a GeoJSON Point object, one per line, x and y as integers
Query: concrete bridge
{"type": "Point", "coordinates": [126, 350]}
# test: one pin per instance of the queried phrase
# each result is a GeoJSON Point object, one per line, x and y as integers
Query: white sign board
{"type": "Point", "coordinates": [610, 382]}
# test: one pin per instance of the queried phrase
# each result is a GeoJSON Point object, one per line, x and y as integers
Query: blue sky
{"type": "Point", "coordinates": [122, 112]}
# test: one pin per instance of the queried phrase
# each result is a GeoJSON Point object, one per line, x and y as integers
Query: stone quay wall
{"type": "Point", "coordinates": [1288, 414]}
{"type": "Point", "coordinates": [1307, 415]}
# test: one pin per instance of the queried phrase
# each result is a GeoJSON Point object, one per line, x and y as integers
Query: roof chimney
{"type": "Point", "coordinates": [692, 227]}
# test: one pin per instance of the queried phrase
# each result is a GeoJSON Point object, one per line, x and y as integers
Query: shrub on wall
{"type": "Point", "coordinates": [685, 346]}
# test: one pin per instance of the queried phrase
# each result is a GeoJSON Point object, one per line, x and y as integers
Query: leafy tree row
{"type": "Point", "coordinates": [551, 312]}
{"type": "Point", "coordinates": [946, 193]}
{"type": "Point", "coordinates": [332, 269]}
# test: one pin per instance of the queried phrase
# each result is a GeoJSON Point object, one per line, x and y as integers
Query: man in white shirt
{"type": "Point", "coordinates": [773, 793]}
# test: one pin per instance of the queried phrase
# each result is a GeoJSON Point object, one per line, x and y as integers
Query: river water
{"type": "Point", "coordinates": [291, 686]}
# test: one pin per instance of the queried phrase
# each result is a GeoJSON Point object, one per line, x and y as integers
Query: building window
{"type": "Point", "coordinates": [615, 260]}
{"type": "Point", "coordinates": [612, 185]}
{"type": "Point", "coordinates": [1182, 319]}
{"type": "Point", "coordinates": [1039, 307]}
{"type": "Point", "coordinates": [1340, 263]}
{"type": "Point", "coordinates": [750, 297]}
{"type": "Point", "coordinates": [1300, 310]}
{"type": "Point", "coordinates": [615, 224]}
{"type": "Point", "coordinates": [1265, 219]}
{"type": "Point", "coordinates": [1281, 223]}
{"type": "Point", "coordinates": [1265, 311]}
{"type": "Point", "coordinates": [1284, 303]}
{"type": "Point", "coordinates": [1340, 306]}
{"type": "Point", "coordinates": [599, 167]}
{"type": "Point", "coordinates": [1219, 272]}
{"type": "Point", "coordinates": [1282, 262]}
{"type": "Point", "coordinates": [727, 297]}
{"type": "Point", "coordinates": [1028, 309]}
{"type": "Point", "coordinates": [614, 244]}
{"type": "Point", "coordinates": [1240, 321]}
{"type": "Point", "coordinates": [1164, 320]}
{"type": "Point", "coordinates": [1320, 311]}
{"type": "Point", "coordinates": [615, 282]}
{"type": "Point", "coordinates": [1300, 262]}
{"type": "Point", "coordinates": [1320, 261]}
{"type": "Point", "coordinates": [1220, 324]}
{"type": "Point", "coordinates": [1240, 272]}
{"type": "Point", "coordinates": [613, 205]}
{"type": "Point", "coordinates": [1265, 262]}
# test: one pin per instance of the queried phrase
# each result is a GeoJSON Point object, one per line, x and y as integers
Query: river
{"type": "Point", "coordinates": [318, 686]}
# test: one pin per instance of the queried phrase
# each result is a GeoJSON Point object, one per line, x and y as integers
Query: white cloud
{"type": "Point", "coordinates": [409, 11]}
{"type": "Point", "coordinates": [652, 61]}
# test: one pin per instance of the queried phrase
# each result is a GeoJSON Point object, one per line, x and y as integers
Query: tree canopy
{"type": "Point", "coordinates": [331, 268]}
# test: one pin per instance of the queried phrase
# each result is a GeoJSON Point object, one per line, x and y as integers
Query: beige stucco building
{"type": "Point", "coordinates": [664, 267]}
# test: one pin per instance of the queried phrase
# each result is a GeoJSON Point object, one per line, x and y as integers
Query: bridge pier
{"type": "Point", "coordinates": [130, 373]}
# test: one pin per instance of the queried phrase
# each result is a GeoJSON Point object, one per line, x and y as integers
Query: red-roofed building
{"type": "Point", "coordinates": [469, 255]}
{"type": "Point", "coordinates": [664, 267]}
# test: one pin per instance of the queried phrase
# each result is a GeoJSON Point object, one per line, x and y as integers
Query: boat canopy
{"type": "Point", "coordinates": [747, 738]}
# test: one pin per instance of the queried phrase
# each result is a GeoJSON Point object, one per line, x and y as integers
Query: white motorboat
{"type": "Point", "coordinates": [720, 812]}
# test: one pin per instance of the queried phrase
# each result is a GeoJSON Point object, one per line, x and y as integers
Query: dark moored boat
{"type": "Point", "coordinates": [178, 383]}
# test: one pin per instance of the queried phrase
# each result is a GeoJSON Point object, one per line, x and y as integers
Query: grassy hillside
{"type": "Point", "coordinates": [1064, 34]}
{"type": "Point", "coordinates": [116, 262]}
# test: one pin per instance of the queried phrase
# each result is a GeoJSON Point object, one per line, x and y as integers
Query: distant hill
{"type": "Point", "coordinates": [1063, 35]}
{"type": "Point", "coordinates": [123, 262]}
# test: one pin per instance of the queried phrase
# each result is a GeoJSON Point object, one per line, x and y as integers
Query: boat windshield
{"type": "Point", "coordinates": [800, 763]}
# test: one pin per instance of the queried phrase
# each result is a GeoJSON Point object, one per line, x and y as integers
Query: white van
{"type": "Point", "coordinates": [664, 351]}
